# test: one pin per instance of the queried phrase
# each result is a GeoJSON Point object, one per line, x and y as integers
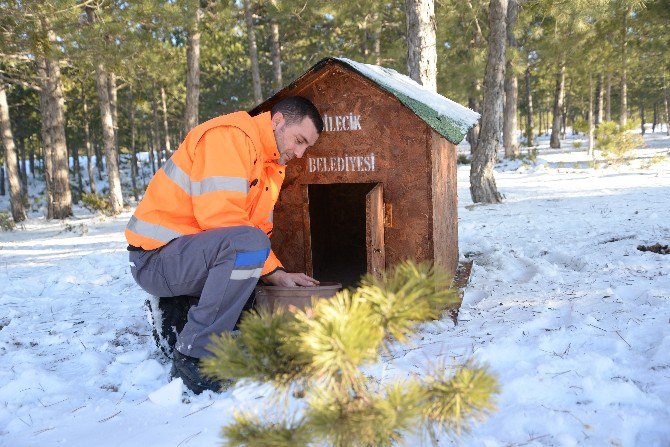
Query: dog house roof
{"type": "Point", "coordinates": [446, 117]}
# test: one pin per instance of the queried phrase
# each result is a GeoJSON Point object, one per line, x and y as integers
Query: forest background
{"type": "Point", "coordinates": [111, 77]}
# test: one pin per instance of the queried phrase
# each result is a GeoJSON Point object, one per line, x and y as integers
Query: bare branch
{"type": "Point", "coordinates": [22, 83]}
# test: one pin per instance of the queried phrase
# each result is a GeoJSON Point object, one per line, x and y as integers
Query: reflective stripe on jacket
{"type": "Point", "coordinates": [224, 174]}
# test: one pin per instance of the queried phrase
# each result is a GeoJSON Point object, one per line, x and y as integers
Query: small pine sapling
{"type": "Point", "coordinates": [322, 351]}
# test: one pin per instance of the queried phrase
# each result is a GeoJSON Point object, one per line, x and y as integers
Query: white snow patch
{"type": "Point", "coordinates": [168, 395]}
{"type": "Point", "coordinates": [573, 319]}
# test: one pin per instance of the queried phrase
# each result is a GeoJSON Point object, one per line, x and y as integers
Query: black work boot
{"type": "Point", "coordinates": [188, 368]}
{"type": "Point", "coordinates": [167, 317]}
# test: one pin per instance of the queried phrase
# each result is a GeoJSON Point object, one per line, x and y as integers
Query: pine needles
{"type": "Point", "coordinates": [322, 350]}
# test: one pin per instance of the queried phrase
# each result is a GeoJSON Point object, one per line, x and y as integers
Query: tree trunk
{"type": "Point", "coordinates": [666, 105]}
{"type": "Point", "coordinates": [623, 118]}
{"type": "Point", "coordinates": [642, 123]}
{"type": "Point", "coordinates": [277, 80]}
{"type": "Point", "coordinates": [23, 169]}
{"type": "Point", "coordinates": [107, 121]}
{"type": "Point", "coordinates": [191, 114]}
{"type": "Point", "coordinates": [564, 112]}
{"type": "Point", "coordinates": [510, 124]}
{"type": "Point", "coordinates": [377, 35]}
{"type": "Point", "coordinates": [473, 103]}
{"type": "Point", "coordinates": [133, 149]}
{"type": "Point", "coordinates": [482, 181]}
{"type": "Point", "coordinates": [89, 149]}
{"type": "Point", "coordinates": [608, 97]}
{"type": "Point", "coordinates": [15, 197]}
{"type": "Point", "coordinates": [474, 99]}
{"type": "Point", "coordinates": [77, 172]}
{"type": "Point", "coordinates": [31, 160]}
{"type": "Point", "coordinates": [111, 81]}
{"type": "Point", "coordinates": [559, 95]}
{"type": "Point", "coordinates": [157, 139]}
{"type": "Point", "coordinates": [529, 109]}
{"type": "Point", "coordinates": [253, 52]}
{"type": "Point", "coordinates": [166, 130]}
{"type": "Point", "coordinates": [2, 180]}
{"type": "Point", "coordinates": [99, 160]}
{"type": "Point", "coordinates": [421, 43]}
{"type": "Point", "coordinates": [655, 119]}
{"type": "Point", "coordinates": [59, 198]}
{"type": "Point", "coordinates": [45, 133]}
{"type": "Point", "coordinates": [150, 143]}
{"type": "Point", "coordinates": [590, 118]}
{"type": "Point", "coordinates": [599, 100]}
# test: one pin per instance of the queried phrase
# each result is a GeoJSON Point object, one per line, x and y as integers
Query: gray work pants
{"type": "Point", "coordinates": [222, 266]}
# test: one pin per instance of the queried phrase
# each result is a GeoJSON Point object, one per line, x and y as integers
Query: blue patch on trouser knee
{"type": "Point", "coordinates": [251, 258]}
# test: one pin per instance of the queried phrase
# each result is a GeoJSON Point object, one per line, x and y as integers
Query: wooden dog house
{"type": "Point", "coordinates": [379, 186]}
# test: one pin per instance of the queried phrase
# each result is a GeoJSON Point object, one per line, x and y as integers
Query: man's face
{"type": "Point", "coordinates": [293, 139]}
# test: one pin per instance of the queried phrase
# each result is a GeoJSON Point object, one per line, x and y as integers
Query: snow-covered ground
{"type": "Point", "coordinates": [561, 304]}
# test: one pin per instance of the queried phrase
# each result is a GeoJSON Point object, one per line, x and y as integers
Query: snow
{"type": "Point", "coordinates": [573, 319]}
{"type": "Point", "coordinates": [462, 117]}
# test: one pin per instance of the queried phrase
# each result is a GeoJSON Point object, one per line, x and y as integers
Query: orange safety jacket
{"type": "Point", "coordinates": [224, 174]}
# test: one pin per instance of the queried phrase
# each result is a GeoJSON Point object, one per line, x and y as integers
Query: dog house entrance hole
{"type": "Point", "coordinates": [338, 217]}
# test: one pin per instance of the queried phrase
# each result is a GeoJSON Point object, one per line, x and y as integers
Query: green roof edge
{"type": "Point", "coordinates": [443, 125]}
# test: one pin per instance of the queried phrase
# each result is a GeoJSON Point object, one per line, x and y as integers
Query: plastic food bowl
{"type": "Point", "coordinates": [274, 297]}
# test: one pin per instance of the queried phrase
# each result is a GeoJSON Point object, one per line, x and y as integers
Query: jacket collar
{"type": "Point", "coordinates": [267, 136]}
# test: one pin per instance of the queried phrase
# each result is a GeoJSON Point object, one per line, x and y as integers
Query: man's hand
{"type": "Point", "coordinates": [285, 279]}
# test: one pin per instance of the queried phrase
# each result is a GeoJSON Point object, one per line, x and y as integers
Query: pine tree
{"type": "Point", "coordinates": [319, 353]}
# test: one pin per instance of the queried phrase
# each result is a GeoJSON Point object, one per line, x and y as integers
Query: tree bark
{"type": "Point", "coordinates": [31, 160]}
{"type": "Point", "coordinates": [191, 114]}
{"type": "Point", "coordinates": [59, 198]}
{"type": "Point", "coordinates": [15, 196]}
{"type": "Point", "coordinates": [655, 118]}
{"type": "Point", "coordinates": [111, 80]}
{"type": "Point", "coordinates": [511, 87]}
{"type": "Point", "coordinates": [150, 143]}
{"type": "Point", "coordinates": [2, 180]}
{"type": "Point", "coordinates": [99, 160]}
{"type": "Point", "coordinates": [23, 170]}
{"type": "Point", "coordinates": [623, 118]}
{"type": "Point", "coordinates": [473, 103]}
{"type": "Point", "coordinates": [482, 181]}
{"type": "Point", "coordinates": [559, 95]}
{"type": "Point", "coordinates": [642, 123]}
{"type": "Point", "coordinates": [157, 139]}
{"type": "Point", "coordinates": [421, 42]}
{"type": "Point", "coordinates": [666, 105]}
{"type": "Point", "coordinates": [529, 109]}
{"type": "Point", "coordinates": [564, 111]}
{"type": "Point", "coordinates": [77, 172]}
{"type": "Point", "coordinates": [115, 194]}
{"type": "Point", "coordinates": [277, 80]}
{"type": "Point", "coordinates": [45, 132]}
{"type": "Point", "coordinates": [166, 130]}
{"type": "Point", "coordinates": [89, 149]}
{"type": "Point", "coordinates": [475, 94]}
{"type": "Point", "coordinates": [590, 118]}
{"type": "Point", "coordinates": [133, 149]}
{"type": "Point", "coordinates": [608, 97]}
{"type": "Point", "coordinates": [253, 52]}
{"type": "Point", "coordinates": [377, 34]}
{"type": "Point", "coordinates": [599, 100]}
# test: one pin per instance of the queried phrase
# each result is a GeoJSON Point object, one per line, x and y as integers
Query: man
{"type": "Point", "coordinates": [202, 226]}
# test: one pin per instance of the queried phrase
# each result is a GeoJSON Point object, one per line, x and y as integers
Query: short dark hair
{"type": "Point", "coordinates": [296, 108]}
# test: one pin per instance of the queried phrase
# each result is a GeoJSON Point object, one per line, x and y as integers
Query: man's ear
{"type": "Point", "coordinates": [277, 120]}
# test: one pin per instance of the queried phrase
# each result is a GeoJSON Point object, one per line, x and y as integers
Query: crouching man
{"type": "Point", "coordinates": [202, 226]}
